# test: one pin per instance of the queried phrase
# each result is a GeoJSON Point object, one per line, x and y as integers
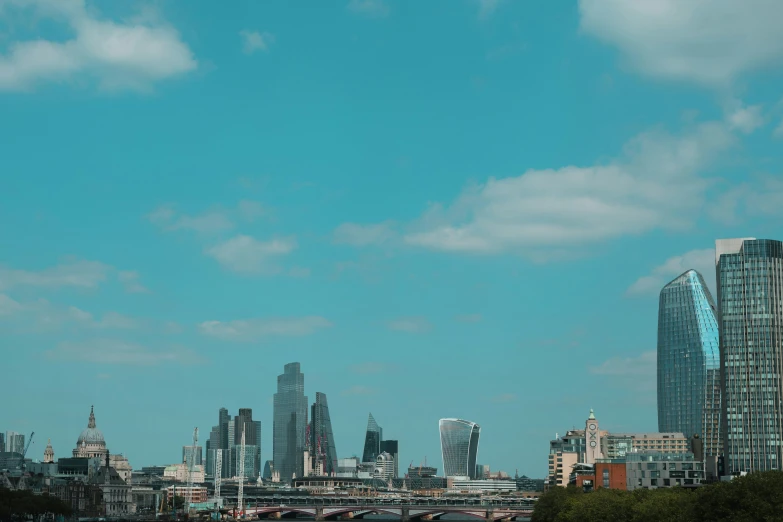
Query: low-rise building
{"type": "Point", "coordinates": [655, 470]}
{"type": "Point", "coordinates": [199, 493]}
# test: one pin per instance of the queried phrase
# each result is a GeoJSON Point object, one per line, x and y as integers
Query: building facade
{"type": "Point", "coordinates": [14, 442]}
{"type": "Point", "coordinates": [662, 470]}
{"type": "Point", "coordinates": [384, 467]}
{"type": "Point", "coordinates": [750, 319]}
{"type": "Point", "coordinates": [372, 440]}
{"type": "Point", "coordinates": [290, 423]}
{"type": "Point", "coordinates": [321, 435]}
{"type": "Point", "coordinates": [392, 447]}
{"type": "Point", "coordinates": [193, 452]}
{"type": "Point", "coordinates": [459, 441]}
{"type": "Point", "coordinates": [689, 398]}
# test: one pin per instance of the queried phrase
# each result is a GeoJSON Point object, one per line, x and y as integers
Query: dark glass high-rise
{"type": "Point", "coordinates": [689, 399]}
{"type": "Point", "coordinates": [372, 441]}
{"type": "Point", "coordinates": [321, 436]}
{"type": "Point", "coordinates": [290, 423]}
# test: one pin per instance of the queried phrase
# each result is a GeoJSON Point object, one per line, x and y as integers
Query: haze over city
{"type": "Point", "coordinates": [439, 209]}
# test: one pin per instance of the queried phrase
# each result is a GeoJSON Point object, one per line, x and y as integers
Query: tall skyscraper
{"type": "Point", "coordinates": [392, 448]}
{"type": "Point", "coordinates": [224, 420]}
{"type": "Point", "coordinates": [689, 399]}
{"type": "Point", "coordinates": [14, 442]}
{"type": "Point", "coordinates": [290, 423]}
{"type": "Point", "coordinates": [459, 446]}
{"type": "Point", "coordinates": [750, 314]}
{"type": "Point", "coordinates": [321, 436]}
{"type": "Point", "coordinates": [372, 441]}
{"type": "Point", "coordinates": [213, 446]}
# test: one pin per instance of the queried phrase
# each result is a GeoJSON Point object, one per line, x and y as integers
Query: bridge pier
{"type": "Point", "coordinates": [319, 514]}
{"type": "Point", "coordinates": [405, 514]}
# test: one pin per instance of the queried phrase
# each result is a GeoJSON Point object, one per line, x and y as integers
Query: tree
{"type": "Point", "coordinates": [553, 502]}
{"type": "Point", "coordinates": [20, 504]}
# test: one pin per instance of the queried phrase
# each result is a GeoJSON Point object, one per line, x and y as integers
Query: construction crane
{"type": "Point", "coordinates": [241, 492]}
{"type": "Point", "coordinates": [191, 474]}
{"type": "Point", "coordinates": [22, 484]}
{"type": "Point", "coordinates": [218, 471]}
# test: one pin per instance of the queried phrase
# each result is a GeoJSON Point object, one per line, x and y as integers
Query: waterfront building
{"type": "Point", "coordinates": [459, 441]}
{"type": "Point", "coordinates": [750, 313]}
{"type": "Point", "coordinates": [656, 470]}
{"type": "Point", "coordinates": [189, 452]}
{"type": "Point", "coordinates": [392, 448]}
{"type": "Point", "coordinates": [472, 486]}
{"type": "Point", "coordinates": [372, 440]}
{"type": "Point", "coordinates": [689, 399]}
{"type": "Point", "coordinates": [14, 442]}
{"type": "Point", "coordinates": [290, 423]}
{"type": "Point", "coordinates": [618, 445]}
{"type": "Point", "coordinates": [321, 436]}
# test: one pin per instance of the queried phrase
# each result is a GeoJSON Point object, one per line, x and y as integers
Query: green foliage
{"type": "Point", "coordinates": [755, 497]}
{"type": "Point", "coordinates": [20, 504]}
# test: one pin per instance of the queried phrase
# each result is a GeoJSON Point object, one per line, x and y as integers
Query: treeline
{"type": "Point", "coordinates": [752, 498]}
{"type": "Point", "coordinates": [21, 504]}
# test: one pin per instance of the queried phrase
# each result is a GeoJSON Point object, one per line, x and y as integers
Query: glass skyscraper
{"type": "Point", "coordinates": [689, 361]}
{"type": "Point", "coordinates": [321, 436]}
{"type": "Point", "coordinates": [459, 445]}
{"type": "Point", "coordinates": [750, 318]}
{"type": "Point", "coordinates": [290, 423]}
{"type": "Point", "coordinates": [372, 441]}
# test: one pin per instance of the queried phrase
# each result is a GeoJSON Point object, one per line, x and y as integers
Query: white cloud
{"type": "Point", "coordinates": [710, 42]}
{"type": "Point", "coordinates": [371, 8]}
{"type": "Point", "coordinates": [130, 55]}
{"type": "Point", "coordinates": [357, 390]}
{"type": "Point", "coordinates": [487, 7]}
{"type": "Point", "coordinates": [469, 318]}
{"type": "Point", "coordinates": [778, 133]}
{"type": "Point", "coordinates": [44, 315]}
{"type": "Point", "coordinates": [363, 235]}
{"type": "Point", "coordinates": [112, 351]}
{"type": "Point", "coordinates": [761, 195]}
{"type": "Point", "coordinates": [248, 255]}
{"type": "Point", "coordinates": [746, 119]}
{"type": "Point", "coordinates": [550, 213]}
{"type": "Point", "coordinates": [8, 306]}
{"type": "Point", "coordinates": [261, 328]}
{"type": "Point", "coordinates": [253, 41]}
{"type": "Point", "coordinates": [703, 261]}
{"type": "Point", "coordinates": [637, 372]}
{"type": "Point", "coordinates": [83, 274]}
{"type": "Point", "coordinates": [410, 324]}
{"type": "Point", "coordinates": [130, 279]}
{"type": "Point", "coordinates": [371, 368]}
{"type": "Point", "coordinates": [299, 272]}
{"type": "Point", "coordinates": [251, 210]}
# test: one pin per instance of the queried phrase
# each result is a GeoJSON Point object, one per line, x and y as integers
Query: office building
{"type": "Point", "coordinates": [290, 423]}
{"type": "Point", "coordinates": [459, 441]}
{"type": "Point", "coordinates": [244, 423]}
{"type": "Point", "coordinates": [212, 445]}
{"type": "Point", "coordinates": [224, 421]}
{"type": "Point", "coordinates": [192, 452]}
{"type": "Point", "coordinates": [689, 399]}
{"type": "Point", "coordinates": [661, 470]}
{"type": "Point", "coordinates": [384, 467]}
{"type": "Point", "coordinates": [14, 442]}
{"type": "Point", "coordinates": [392, 448]}
{"type": "Point", "coordinates": [750, 314]}
{"type": "Point", "coordinates": [2, 442]}
{"type": "Point", "coordinates": [321, 437]}
{"type": "Point", "coordinates": [372, 441]}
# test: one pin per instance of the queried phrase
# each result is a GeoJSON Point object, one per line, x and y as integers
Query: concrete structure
{"type": "Point", "coordinates": [656, 470]}
{"type": "Point", "coordinates": [750, 313]}
{"type": "Point", "coordinates": [689, 398]}
{"type": "Point", "coordinates": [459, 440]}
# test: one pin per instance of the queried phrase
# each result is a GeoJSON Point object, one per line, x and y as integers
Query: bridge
{"type": "Point", "coordinates": [407, 509]}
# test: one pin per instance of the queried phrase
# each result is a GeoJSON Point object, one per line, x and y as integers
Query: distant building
{"type": "Point", "coordinates": [90, 443]}
{"type": "Point", "coordinates": [482, 471]}
{"type": "Point", "coordinates": [750, 312]}
{"type": "Point", "coordinates": [459, 441]}
{"type": "Point", "coordinates": [348, 468]}
{"type": "Point", "coordinates": [189, 452]}
{"type": "Point", "coordinates": [2, 442]}
{"type": "Point", "coordinates": [269, 467]}
{"type": "Point", "coordinates": [372, 440]}
{"type": "Point", "coordinates": [321, 436]}
{"type": "Point", "coordinates": [49, 452]}
{"type": "Point", "coordinates": [482, 486]}
{"type": "Point", "coordinates": [392, 448]}
{"type": "Point", "coordinates": [179, 473]}
{"type": "Point", "coordinates": [14, 442]}
{"type": "Point", "coordinates": [290, 423]}
{"type": "Point", "coordinates": [689, 399]}
{"type": "Point", "coordinates": [529, 484]}
{"type": "Point", "coordinates": [384, 467]}
{"type": "Point", "coordinates": [198, 493]}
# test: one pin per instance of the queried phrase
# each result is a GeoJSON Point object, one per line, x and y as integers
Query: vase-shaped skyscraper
{"type": "Point", "coordinates": [459, 445]}
{"type": "Point", "coordinates": [290, 423]}
{"type": "Point", "coordinates": [689, 399]}
{"type": "Point", "coordinates": [750, 315]}
{"type": "Point", "coordinates": [322, 438]}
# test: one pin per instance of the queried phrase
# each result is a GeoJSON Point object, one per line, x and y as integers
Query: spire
{"type": "Point", "coordinates": [592, 415]}
{"type": "Point", "coordinates": [91, 424]}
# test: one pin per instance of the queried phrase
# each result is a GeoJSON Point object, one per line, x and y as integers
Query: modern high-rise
{"type": "Point", "coordinates": [750, 319]}
{"type": "Point", "coordinates": [372, 441]}
{"type": "Point", "coordinates": [14, 442]}
{"type": "Point", "coordinates": [689, 398]}
{"type": "Point", "coordinates": [224, 420]}
{"type": "Point", "coordinates": [2, 442]}
{"type": "Point", "coordinates": [189, 452]}
{"type": "Point", "coordinates": [321, 436]}
{"type": "Point", "coordinates": [459, 446]}
{"type": "Point", "coordinates": [392, 448]}
{"type": "Point", "coordinates": [252, 429]}
{"type": "Point", "coordinates": [290, 423]}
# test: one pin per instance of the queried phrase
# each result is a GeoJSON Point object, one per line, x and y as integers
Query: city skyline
{"type": "Point", "coordinates": [437, 208]}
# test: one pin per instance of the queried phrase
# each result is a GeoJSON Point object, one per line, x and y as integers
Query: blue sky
{"type": "Point", "coordinates": [454, 208]}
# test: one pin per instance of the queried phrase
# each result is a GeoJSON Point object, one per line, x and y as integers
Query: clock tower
{"type": "Point", "coordinates": [592, 440]}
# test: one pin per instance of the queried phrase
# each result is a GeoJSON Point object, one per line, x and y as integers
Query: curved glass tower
{"type": "Point", "coordinates": [459, 445]}
{"type": "Point", "coordinates": [689, 399]}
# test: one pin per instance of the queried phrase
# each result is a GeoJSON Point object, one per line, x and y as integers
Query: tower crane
{"type": "Point", "coordinates": [218, 471]}
{"type": "Point", "coordinates": [22, 484]}
{"type": "Point", "coordinates": [191, 466]}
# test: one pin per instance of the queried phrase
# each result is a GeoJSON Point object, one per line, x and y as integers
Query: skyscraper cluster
{"type": "Point", "coordinates": [375, 446]}
{"type": "Point", "coordinates": [226, 438]}
{"type": "Point", "coordinates": [720, 364]}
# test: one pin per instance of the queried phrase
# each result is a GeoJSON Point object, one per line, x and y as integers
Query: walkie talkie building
{"type": "Point", "coordinates": [689, 398]}
{"type": "Point", "coordinates": [459, 445]}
